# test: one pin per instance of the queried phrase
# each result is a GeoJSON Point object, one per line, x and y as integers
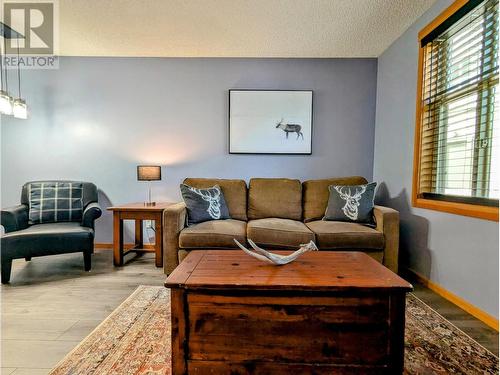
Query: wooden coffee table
{"type": "Point", "coordinates": [327, 312]}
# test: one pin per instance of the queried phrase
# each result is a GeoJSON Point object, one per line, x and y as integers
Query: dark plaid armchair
{"type": "Point", "coordinates": [54, 217]}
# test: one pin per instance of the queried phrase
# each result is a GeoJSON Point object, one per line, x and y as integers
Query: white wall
{"type": "Point", "coordinates": [95, 119]}
{"type": "Point", "coordinates": [457, 252]}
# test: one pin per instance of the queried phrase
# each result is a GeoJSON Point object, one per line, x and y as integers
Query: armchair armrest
{"type": "Point", "coordinates": [388, 223]}
{"type": "Point", "coordinates": [90, 214]}
{"type": "Point", "coordinates": [174, 219]}
{"type": "Point", "coordinates": [14, 218]}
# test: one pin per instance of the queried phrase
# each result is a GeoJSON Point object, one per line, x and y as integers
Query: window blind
{"type": "Point", "coordinates": [459, 126]}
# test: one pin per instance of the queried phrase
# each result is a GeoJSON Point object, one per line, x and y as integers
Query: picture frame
{"type": "Point", "coordinates": [270, 122]}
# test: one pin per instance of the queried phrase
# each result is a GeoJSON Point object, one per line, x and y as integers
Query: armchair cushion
{"type": "Point", "coordinates": [14, 218]}
{"type": "Point", "coordinates": [332, 235]}
{"type": "Point", "coordinates": [213, 234]}
{"type": "Point", "coordinates": [51, 202]}
{"type": "Point", "coordinates": [89, 191]}
{"type": "Point", "coordinates": [90, 214]}
{"type": "Point", "coordinates": [46, 239]}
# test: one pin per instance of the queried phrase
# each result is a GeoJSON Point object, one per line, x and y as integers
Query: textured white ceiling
{"type": "Point", "coordinates": [234, 28]}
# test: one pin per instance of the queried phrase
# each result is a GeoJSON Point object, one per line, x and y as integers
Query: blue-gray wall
{"type": "Point", "coordinates": [457, 252]}
{"type": "Point", "coordinates": [95, 119]}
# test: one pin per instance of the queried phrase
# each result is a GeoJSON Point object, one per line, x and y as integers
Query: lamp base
{"type": "Point", "coordinates": [149, 204]}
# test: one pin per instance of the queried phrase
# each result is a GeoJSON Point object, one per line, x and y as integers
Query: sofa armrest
{"type": "Point", "coordinates": [14, 218]}
{"type": "Point", "coordinates": [90, 214]}
{"type": "Point", "coordinates": [388, 223]}
{"type": "Point", "coordinates": [174, 219]}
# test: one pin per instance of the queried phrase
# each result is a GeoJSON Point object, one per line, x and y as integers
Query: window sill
{"type": "Point", "coordinates": [464, 209]}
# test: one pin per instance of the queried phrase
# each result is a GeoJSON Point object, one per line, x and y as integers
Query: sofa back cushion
{"type": "Point", "coordinates": [316, 194]}
{"type": "Point", "coordinates": [275, 197]}
{"type": "Point", "coordinates": [235, 193]}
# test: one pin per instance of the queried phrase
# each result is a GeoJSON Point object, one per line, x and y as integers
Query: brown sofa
{"type": "Point", "coordinates": [282, 214]}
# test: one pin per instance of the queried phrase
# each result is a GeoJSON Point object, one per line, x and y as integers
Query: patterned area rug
{"type": "Point", "coordinates": [135, 339]}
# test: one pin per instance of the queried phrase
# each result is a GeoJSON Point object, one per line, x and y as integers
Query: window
{"type": "Point", "coordinates": [457, 143]}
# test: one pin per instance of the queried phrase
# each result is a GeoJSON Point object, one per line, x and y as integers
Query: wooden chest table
{"type": "Point", "coordinates": [327, 312]}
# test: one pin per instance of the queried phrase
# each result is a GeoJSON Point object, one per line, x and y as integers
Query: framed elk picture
{"type": "Point", "coordinates": [270, 121]}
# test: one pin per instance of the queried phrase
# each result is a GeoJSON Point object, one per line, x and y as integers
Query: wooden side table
{"type": "Point", "coordinates": [137, 212]}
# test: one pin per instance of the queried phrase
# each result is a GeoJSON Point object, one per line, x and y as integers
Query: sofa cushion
{"type": "Point", "coordinates": [316, 194]}
{"type": "Point", "coordinates": [213, 234]}
{"type": "Point", "coordinates": [279, 233]}
{"type": "Point", "coordinates": [274, 197]}
{"type": "Point", "coordinates": [331, 235]}
{"type": "Point", "coordinates": [235, 193]}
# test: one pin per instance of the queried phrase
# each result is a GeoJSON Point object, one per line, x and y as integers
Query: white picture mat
{"type": "Point", "coordinates": [253, 117]}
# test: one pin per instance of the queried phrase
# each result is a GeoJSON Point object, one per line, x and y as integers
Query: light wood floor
{"type": "Point", "coordinates": [52, 304]}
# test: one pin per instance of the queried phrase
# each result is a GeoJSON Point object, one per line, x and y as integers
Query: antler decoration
{"type": "Point", "coordinates": [276, 259]}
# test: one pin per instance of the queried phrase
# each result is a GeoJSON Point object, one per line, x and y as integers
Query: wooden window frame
{"type": "Point", "coordinates": [465, 209]}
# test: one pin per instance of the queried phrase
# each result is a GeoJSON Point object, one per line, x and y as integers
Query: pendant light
{"type": "Point", "coordinates": [5, 99]}
{"type": "Point", "coordinates": [5, 103]}
{"type": "Point", "coordinates": [8, 105]}
{"type": "Point", "coordinates": [19, 107]}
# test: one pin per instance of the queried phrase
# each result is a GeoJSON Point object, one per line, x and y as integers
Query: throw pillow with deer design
{"type": "Point", "coordinates": [204, 204]}
{"type": "Point", "coordinates": [351, 203]}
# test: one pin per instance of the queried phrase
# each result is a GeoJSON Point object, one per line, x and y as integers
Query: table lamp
{"type": "Point", "coordinates": [149, 173]}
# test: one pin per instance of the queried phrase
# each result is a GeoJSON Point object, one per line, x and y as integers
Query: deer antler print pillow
{"type": "Point", "coordinates": [351, 203]}
{"type": "Point", "coordinates": [204, 204]}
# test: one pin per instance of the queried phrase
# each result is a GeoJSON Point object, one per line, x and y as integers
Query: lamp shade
{"type": "Point", "coordinates": [20, 109]}
{"type": "Point", "coordinates": [5, 103]}
{"type": "Point", "coordinates": [148, 172]}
